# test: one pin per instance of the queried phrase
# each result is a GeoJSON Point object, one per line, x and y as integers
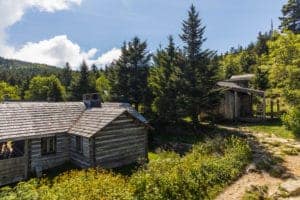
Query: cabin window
{"type": "Point", "coordinates": [79, 144]}
{"type": "Point", "coordinates": [11, 149]}
{"type": "Point", "coordinates": [48, 145]}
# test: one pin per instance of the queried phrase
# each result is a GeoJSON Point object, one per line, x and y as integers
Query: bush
{"type": "Point", "coordinates": [257, 193]}
{"type": "Point", "coordinates": [90, 184]}
{"type": "Point", "coordinates": [201, 174]}
{"type": "Point", "coordinates": [292, 119]}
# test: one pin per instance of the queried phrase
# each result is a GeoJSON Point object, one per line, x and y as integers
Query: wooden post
{"type": "Point", "coordinates": [236, 105]}
{"type": "Point", "coordinates": [272, 108]}
{"type": "Point", "coordinates": [264, 107]}
{"type": "Point", "coordinates": [278, 106]}
{"type": "Point", "coordinates": [26, 156]}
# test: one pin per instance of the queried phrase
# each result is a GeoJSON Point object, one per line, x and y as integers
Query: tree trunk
{"type": "Point", "coordinates": [136, 106]}
{"type": "Point", "coordinates": [195, 121]}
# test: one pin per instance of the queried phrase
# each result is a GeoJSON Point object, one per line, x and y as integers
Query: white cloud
{"type": "Point", "coordinates": [59, 50]}
{"type": "Point", "coordinates": [108, 57]}
{"type": "Point", "coordinates": [54, 51]}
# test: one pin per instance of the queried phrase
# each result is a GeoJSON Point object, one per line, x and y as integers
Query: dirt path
{"type": "Point", "coordinates": [272, 146]}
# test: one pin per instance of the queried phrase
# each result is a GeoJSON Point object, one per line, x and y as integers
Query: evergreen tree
{"type": "Point", "coordinates": [291, 16]}
{"type": "Point", "coordinates": [66, 75]}
{"type": "Point", "coordinates": [261, 80]}
{"type": "Point", "coordinates": [199, 72]}
{"type": "Point", "coordinates": [247, 61]}
{"type": "Point", "coordinates": [81, 84]}
{"type": "Point", "coordinates": [95, 71]}
{"type": "Point", "coordinates": [132, 70]}
{"type": "Point", "coordinates": [261, 46]}
{"type": "Point", "coordinates": [164, 82]}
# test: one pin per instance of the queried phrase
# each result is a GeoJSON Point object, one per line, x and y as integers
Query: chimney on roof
{"type": "Point", "coordinates": [92, 100]}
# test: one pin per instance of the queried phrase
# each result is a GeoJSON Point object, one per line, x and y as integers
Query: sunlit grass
{"type": "Point", "coordinates": [271, 127]}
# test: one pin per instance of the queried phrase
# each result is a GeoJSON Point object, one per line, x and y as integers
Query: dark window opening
{"type": "Point", "coordinates": [48, 145]}
{"type": "Point", "coordinates": [11, 149]}
{"type": "Point", "coordinates": [79, 144]}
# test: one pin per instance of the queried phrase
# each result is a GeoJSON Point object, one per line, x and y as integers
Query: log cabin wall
{"type": "Point", "coordinates": [81, 159]}
{"type": "Point", "coordinates": [43, 162]}
{"type": "Point", "coordinates": [12, 170]}
{"type": "Point", "coordinates": [122, 142]}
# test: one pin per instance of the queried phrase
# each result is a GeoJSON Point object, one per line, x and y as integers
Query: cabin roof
{"type": "Point", "coordinates": [236, 87]}
{"type": "Point", "coordinates": [243, 77]}
{"type": "Point", "coordinates": [94, 120]}
{"type": "Point", "coordinates": [20, 120]}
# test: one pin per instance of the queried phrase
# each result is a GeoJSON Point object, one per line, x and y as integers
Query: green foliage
{"type": "Point", "coordinates": [90, 184]}
{"type": "Point", "coordinates": [130, 73]}
{"type": "Point", "coordinates": [271, 127]}
{"type": "Point", "coordinates": [164, 81]}
{"type": "Point", "coordinates": [200, 72]}
{"type": "Point", "coordinates": [291, 16]}
{"type": "Point", "coordinates": [80, 84]}
{"type": "Point", "coordinates": [292, 119]}
{"type": "Point", "coordinates": [45, 88]}
{"type": "Point", "coordinates": [261, 80]}
{"type": "Point", "coordinates": [230, 65]}
{"type": "Point", "coordinates": [66, 75]}
{"type": "Point", "coordinates": [8, 92]}
{"type": "Point", "coordinates": [257, 193]}
{"type": "Point", "coordinates": [103, 86]}
{"type": "Point", "coordinates": [201, 174]}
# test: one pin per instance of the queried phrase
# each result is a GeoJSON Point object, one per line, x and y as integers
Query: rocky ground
{"type": "Point", "coordinates": [274, 172]}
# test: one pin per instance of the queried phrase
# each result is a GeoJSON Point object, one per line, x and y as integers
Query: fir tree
{"type": "Point", "coordinates": [132, 72]}
{"type": "Point", "coordinates": [291, 16]}
{"type": "Point", "coordinates": [199, 72]}
{"type": "Point", "coordinates": [66, 75]}
{"type": "Point", "coordinates": [164, 82]}
{"type": "Point", "coordinates": [81, 84]}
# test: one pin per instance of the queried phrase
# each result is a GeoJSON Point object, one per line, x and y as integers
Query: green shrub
{"type": "Point", "coordinates": [201, 174]}
{"type": "Point", "coordinates": [292, 119]}
{"type": "Point", "coordinates": [257, 193]}
{"type": "Point", "coordinates": [90, 184]}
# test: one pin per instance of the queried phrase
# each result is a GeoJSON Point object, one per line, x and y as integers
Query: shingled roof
{"type": "Point", "coordinates": [236, 87]}
{"type": "Point", "coordinates": [28, 120]}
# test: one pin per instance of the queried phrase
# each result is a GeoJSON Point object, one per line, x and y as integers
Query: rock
{"type": "Point", "coordinates": [252, 169]}
{"type": "Point", "coordinates": [292, 187]}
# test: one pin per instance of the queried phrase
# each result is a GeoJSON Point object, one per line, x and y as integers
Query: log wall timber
{"type": "Point", "coordinates": [122, 142]}
{"type": "Point", "coordinates": [12, 170]}
{"type": "Point", "coordinates": [83, 159]}
{"type": "Point", "coordinates": [37, 160]}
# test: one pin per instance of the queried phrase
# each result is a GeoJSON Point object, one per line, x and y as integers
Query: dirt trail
{"type": "Point", "coordinates": [274, 146]}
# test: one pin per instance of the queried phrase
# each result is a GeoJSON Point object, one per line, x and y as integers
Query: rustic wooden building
{"type": "Point", "coordinates": [39, 136]}
{"type": "Point", "coordinates": [237, 103]}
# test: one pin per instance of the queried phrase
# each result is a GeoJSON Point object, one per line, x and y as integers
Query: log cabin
{"type": "Point", "coordinates": [237, 103]}
{"type": "Point", "coordinates": [36, 136]}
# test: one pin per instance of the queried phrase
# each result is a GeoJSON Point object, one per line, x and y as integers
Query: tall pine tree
{"type": "Point", "coordinates": [66, 75]}
{"type": "Point", "coordinates": [81, 84]}
{"type": "Point", "coordinates": [131, 73]}
{"type": "Point", "coordinates": [164, 82]}
{"type": "Point", "coordinates": [291, 16]}
{"type": "Point", "coordinates": [200, 73]}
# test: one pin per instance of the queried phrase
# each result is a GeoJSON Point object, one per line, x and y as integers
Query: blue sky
{"type": "Point", "coordinates": [105, 24]}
